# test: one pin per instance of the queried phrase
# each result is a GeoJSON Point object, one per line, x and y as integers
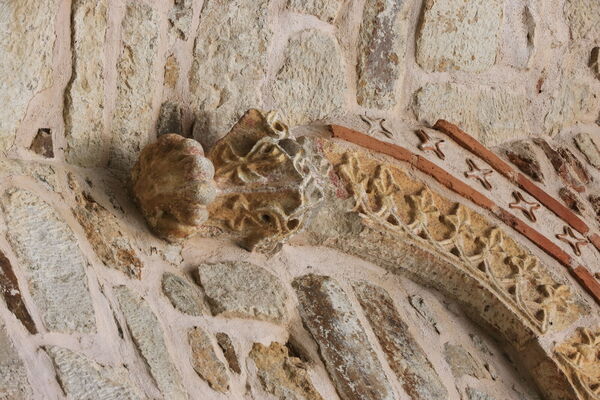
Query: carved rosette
{"type": "Point", "coordinates": [268, 180]}
{"type": "Point", "coordinates": [579, 357]}
{"type": "Point", "coordinates": [388, 200]}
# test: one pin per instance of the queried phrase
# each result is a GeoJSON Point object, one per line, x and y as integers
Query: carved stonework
{"type": "Point", "coordinates": [387, 199]}
{"type": "Point", "coordinates": [579, 357]}
{"type": "Point", "coordinates": [267, 180]}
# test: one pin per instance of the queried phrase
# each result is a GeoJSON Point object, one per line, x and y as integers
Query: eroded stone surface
{"type": "Point", "coordinates": [14, 384]}
{"type": "Point", "coordinates": [403, 353]}
{"type": "Point", "coordinates": [310, 84]}
{"type": "Point", "coordinates": [228, 65]}
{"type": "Point", "coordinates": [42, 143]}
{"type": "Point", "coordinates": [322, 9]}
{"type": "Point", "coordinates": [84, 98]}
{"type": "Point", "coordinates": [184, 296]}
{"type": "Point", "coordinates": [43, 173]}
{"type": "Point", "coordinates": [521, 154]}
{"type": "Point", "coordinates": [205, 360]}
{"type": "Point", "coordinates": [48, 251]}
{"type": "Point", "coordinates": [26, 44]}
{"type": "Point", "coordinates": [574, 101]}
{"type": "Point", "coordinates": [147, 335]}
{"type": "Point", "coordinates": [84, 379]}
{"type": "Point", "coordinates": [459, 35]}
{"type": "Point", "coordinates": [589, 148]}
{"type": "Point", "coordinates": [463, 363]}
{"type": "Point", "coordinates": [343, 344]}
{"type": "Point", "coordinates": [226, 345]}
{"type": "Point", "coordinates": [583, 17]}
{"type": "Point", "coordinates": [180, 18]}
{"type": "Point", "coordinates": [282, 375]}
{"type": "Point", "coordinates": [244, 290]}
{"type": "Point", "coordinates": [170, 119]}
{"type": "Point", "coordinates": [381, 46]}
{"type": "Point", "coordinates": [172, 184]}
{"type": "Point", "coordinates": [424, 311]}
{"type": "Point", "coordinates": [136, 80]}
{"type": "Point", "coordinates": [103, 231]}
{"type": "Point", "coordinates": [9, 289]}
{"type": "Point", "coordinates": [491, 115]}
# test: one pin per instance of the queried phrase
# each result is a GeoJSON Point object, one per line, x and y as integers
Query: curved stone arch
{"type": "Point", "coordinates": [325, 192]}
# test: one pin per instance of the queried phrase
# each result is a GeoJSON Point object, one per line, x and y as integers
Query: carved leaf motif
{"type": "Point", "coordinates": [424, 208]}
{"type": "Point", "coordinates": [581, 355]}
{"type": "Point", "coordinates": [244, 169]}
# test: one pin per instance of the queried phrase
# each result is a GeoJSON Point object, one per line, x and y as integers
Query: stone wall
{"type": "Point", "coordinates": [389, 264]}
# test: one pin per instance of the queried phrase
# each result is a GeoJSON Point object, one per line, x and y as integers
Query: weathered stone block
{"type": "Point", "coordinates": [523, 156]}
{"type": "Point", "coordinates": [459, 35]}
{"type": "Point", "coordinates": [491, 115]}
{"type": "Point", "coordinates": [147, 335]}
{"type": "Point", "coordinates": [55, 267]}
{"type": "Point", "coordinates": [136, 81]}
{"type": "Point", "coordinates": [84, 97]}
{"type": "Point", "coordinates": [243, 290]}
{"type": "Point", "coordinates": [574, 101]}
{"type": "Point", "coordinates": [322, 9]}
{"type": "Point", "coordinates": [348, 356]}
{"type": "Point", "coordinates": [228, 65]}
{"type": "Point", "coordinates": [170, 119]}
{"type": "Point", "coordinates": [13, 376]}
{"type": "Point", "coordinates": [310, 85]}
{"type": "Point", "coordinates": [589, 148]}
{"type": "Point", "coordinates": [464, 363]}
{"type": "Point", "coordinates": [583, 17]}
{"type": "Point", "coordinates": [26, 44]}
{"type": "Point", "coordinates": [424, 311]}
{"type": "Point", "coordinates": [474, 394]}
{"type": "Point", "coordinates": [282, 375]}
{"type": "Point", "coordinates": [180, 18]}
{"type": "Point", "coordinates": [184, 296]}
{"type": "Point", "coordinates": [205, 360]}
{"type": "Point", "coordinates": [42, 143]}
{"type": "Point", "coordinates": [226, 345]}
{"type": "Point", "coordinates": [381, 48]}
{"type": "Point", "coordinates": [403, 353]}
{"type": "Point", "coordinates": [84, 379]}
{"type": "Point", "coordinates": [10, 291]}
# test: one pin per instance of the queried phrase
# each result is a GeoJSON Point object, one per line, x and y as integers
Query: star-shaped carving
{"type": "Point", "coordinates": [431, 144]}
{"type": "Point", "coordinates": [479, 174]}
{"type": "Point", "coordinates": [569, 236]}
{"type": "Point", "coordinates": [376, 126]}
{"type": "Point", "coordinates": [528, 207]}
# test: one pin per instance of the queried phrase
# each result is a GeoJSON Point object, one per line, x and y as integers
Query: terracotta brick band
{"type": "Point", "coordinates": [466, 191]}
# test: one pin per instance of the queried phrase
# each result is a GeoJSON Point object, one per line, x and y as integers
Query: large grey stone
{"type": "Point", "coordinates": [243, 290]}
{"type": "Point", "coordinates": [381, 48]}
{"type": "Point", "coordinates": [205, 360]}
{"type": "Point", "coordinates": [403, 353]}
{"type": "Point", "coordinates": [84, 379]}
{"type": "Point", "coordinates": [13, 377]}
{"type": "Point", "coordinates": [474, 394]}
{"type": "Point", "coordinates": [84, 98]}
{"type": "Point", "coordinates": [229, 64]}
{"type": "Point", "coordinates": [55, 267]}
{"type": "Point", "coordinates": [491, 115]}
{"type": "Point", "coordinates": [184, 296]}
{"type": "Point", "coordinates": [348, 356]}
{"type": "Point", "coordinates": [464, 363]}
{"type": "Point", "coordinates": [310, 85]}
{"type": "Point", "coordinates": [136, 81]}
{"type": "Point", "coordinates": [322, 9]}
{"type": "Point", "coordinates": [583, 17]}
{"type": "Point", "coordinates": [461, 35]}
{"type": "Point", "coordinates": [148, 337]}
{"type": "Point", "coordinates": [180, 18]}
{"type": "Point", "coordinates": [26, 44]}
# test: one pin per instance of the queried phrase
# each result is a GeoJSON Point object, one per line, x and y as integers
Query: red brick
{"type": "Point", "coordinates": [585, 279]}
{"type": "Point", "coordinates": [368, 142]}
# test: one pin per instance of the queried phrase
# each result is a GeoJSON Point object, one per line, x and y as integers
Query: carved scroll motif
{"type": "Point", "coordinates": [579, 356]}
{"type": "Point", "coordinates": [488, 255]}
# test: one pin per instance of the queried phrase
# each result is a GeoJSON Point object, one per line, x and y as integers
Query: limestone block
{"type": "Point", "coordinates": [574, 101]}
{"type": "Point", "coordinates": [310, 85]}
{"type": "Point", "coordinates": [205, 360]}
{"type": "Point", "coordinates": [348, 356]}
{"type": "Point", "coordinates": [282, 375]}
{"type": "Point", "coordinates": [243, 290]}
{"type": "Point", "coordinates": [26, 44]}
{"type": "Point", "coordinates": [55, 267]}
{"type": "Point", "coordinates": [84, 97]}
{"type": "Point", "coordinates": [474, 394]}
{"type": "Point", "coordinates": [588, 147]}
{"type": "Point", "coordinates": [147, 335]}
{"type": "Point", "coordinates": [172, 182]}
{"type": "Point", "coordinates": [459, 35]}
{"type": "Point", "coordinates": [42, 173]}
{"type": "Point", "coordinates": [184, 296]}
{"type": "Point", "coordinates": [228, 65]}
{"type": "Point", "coordinates": [13, 376]}
{"type": "Point", "coordinates": [325, 10]}
{"type": "Point", "coordinates": [403, 353]}
{"type": "Point", "coordinates": [84, 379]}
{"type": "Point", "coordinates": [464, 363]}
{"type": "Point", "coordinates": [180, 18]}
{"type": "Point", "coordinates": [136, 81]}
{"type": "Point", "coordinates": [104, 232]}
{"type": "Point", "coordinates": [583, 17]}
{"type": "Point", "coordinates": [491, 115]}
{"type": "Point", "coordinates": [381, 48]}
